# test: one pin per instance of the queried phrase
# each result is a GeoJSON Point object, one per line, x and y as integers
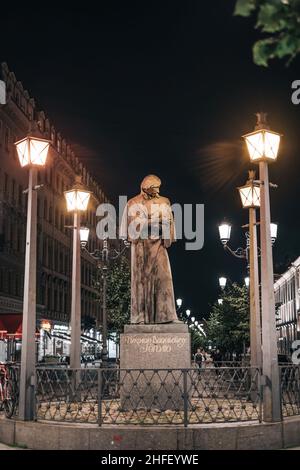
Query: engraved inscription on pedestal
{"type": "Point", "coordinates": [156, 343]}
{"type": "Point", "coordinates": [161, 348]}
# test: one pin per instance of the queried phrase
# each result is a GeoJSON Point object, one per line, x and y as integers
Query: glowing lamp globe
{"type": "Point", "coordinates": [77, 199]}
{"type": "Point", "coordinates": [220, 301]}
{"type": "Point", "coordinates": [222, 282]}
{"type": "Point", "coordinates": [179, 302]}
{"type": "Point", "coordinates": [32, 151]}
{"type": "Point", "coordinates": [188, 312]}
{"type": "Point", "coordinates": [84, 236]}
{"type": "Point", "coordinates": [247, 281]}
{"type": "Point", "coordinates": [224, 232]}
{"type": "Point", "coordinates": [273, 228]}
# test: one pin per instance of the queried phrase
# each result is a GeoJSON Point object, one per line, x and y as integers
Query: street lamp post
{"type": "Point", "coordinates": [77, 200]}
{"type": "Point", "coordinates": [32, 153]}
{"type": "Point", "coordinates": [179, 303]}
{"type": "Point", "coordinates": [104, 319]}
{"type": "Point", "coordinates": [250, 197]}
{"type": "Point", "coordinates": [263, 146]}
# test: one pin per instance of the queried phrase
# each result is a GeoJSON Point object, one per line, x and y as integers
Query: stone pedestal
{"type": "Point", "coordinates": [160, 348]}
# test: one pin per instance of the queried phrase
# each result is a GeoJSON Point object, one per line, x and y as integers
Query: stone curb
{"type": "Point", "coordinates": [229, 436]}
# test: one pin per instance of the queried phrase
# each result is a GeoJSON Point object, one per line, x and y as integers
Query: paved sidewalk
{"type": "Point", "coordinates": [5, 447]}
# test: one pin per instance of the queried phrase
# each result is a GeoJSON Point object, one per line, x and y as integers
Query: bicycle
{"type": "Point", "coordinates": [7, 392]}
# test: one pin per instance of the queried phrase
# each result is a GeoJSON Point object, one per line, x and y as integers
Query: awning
{"type": "Point", "coordinates": [12, 325]}
{"type": "Point", "coordinates": [3, 330]}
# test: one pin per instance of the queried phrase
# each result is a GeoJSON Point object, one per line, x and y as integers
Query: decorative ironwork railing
{"type": "Point", "coordinates": [149, 396]}
{"type": "Point", "coordinates": [155, 396]}
{"type": "Point", "coordinates": [290, 389]}
{"type": "Point", "coordinates": [13, 376]}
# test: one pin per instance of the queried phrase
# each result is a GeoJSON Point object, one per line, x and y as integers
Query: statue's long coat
{"type": "Point", "coordinates": [152, 294]}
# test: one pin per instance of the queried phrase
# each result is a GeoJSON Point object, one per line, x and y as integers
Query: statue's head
{"type": "Point", "coordinates": [150, 186]}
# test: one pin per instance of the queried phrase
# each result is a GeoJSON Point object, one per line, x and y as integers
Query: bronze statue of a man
{"type": "Point", "coordinates": [149, 225]}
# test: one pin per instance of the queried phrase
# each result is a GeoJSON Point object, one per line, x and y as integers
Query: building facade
{"type": "Point", "coordinates": [54, 244]}
{"type": "Point", "coordinates": [287, 298]}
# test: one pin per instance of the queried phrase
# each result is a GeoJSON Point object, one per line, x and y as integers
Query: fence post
{"type": "Point", "coordinates": [33, 393]}
{"type": "Point", "coordinates": [100, 379]}
{"type": "Point", "coordinates": [185, 398]}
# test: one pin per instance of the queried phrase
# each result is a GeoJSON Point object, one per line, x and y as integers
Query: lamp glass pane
{"type": "Point", "coordinates": [224, 231]}
{"type": "Point", "coordinates": [247, 281]}
{"type": "Point", "coordinates": [271, 145]}
{"type": "Point", "coordinates": [222, 281]}
{"type": "Point", "coordinates": [71, 200]}
{"type": "Point", "coordinates": [179, 302]}
{"type": "Point", "coordinates": [82, 200]}
{"type": "Point", "coordinates": [38, 152]}
{"type": "Point", "coordinates": [23, 152]}
{"type": "Point", "coordinates": [255, 145]}
{"type": "Point", "coordinates": [246, 196]}
{"type": "Point", "coordinates": [256, 196]}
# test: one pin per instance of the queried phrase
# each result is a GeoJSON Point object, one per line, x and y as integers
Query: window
{"type": "Point", "coordinates": [20, 194]}
{"type": "Point", "coordinates": [56, 218]}
{"type": "Point", "coordinates": [6, 138]}
{"type": "Point", "coordinates": [45, 209]}
{"type": "Point", "coordinates": [13, 190]}
{"type": "Point", "coordinates": [50, 215]}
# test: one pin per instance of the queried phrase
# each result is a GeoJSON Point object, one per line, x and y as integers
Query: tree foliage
{"type": "Point", "coordinates": [279, 21]}
{"type": "Point", "coordinates": [117, 296]}
{"type": "Point", "coordinates": [197, 340]}
{"type": "Point", "coordinates": [228, 325]}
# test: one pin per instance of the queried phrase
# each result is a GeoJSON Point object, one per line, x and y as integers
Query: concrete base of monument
{"type": "Point", "coordinates": [161, 347]}
{"type": "Point", "coordinates": [218, 436]}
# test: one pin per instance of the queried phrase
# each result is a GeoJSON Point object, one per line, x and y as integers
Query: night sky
{"type": "Point", "coordinates": [167, 88]}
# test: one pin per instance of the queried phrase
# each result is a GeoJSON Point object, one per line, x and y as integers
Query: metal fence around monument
{"type": "Point", "coordinates": [149, 396]}
{"type": "Point", "coordinates": [152, 396]}
{"type": "Point", "coordinates": [290, 389]}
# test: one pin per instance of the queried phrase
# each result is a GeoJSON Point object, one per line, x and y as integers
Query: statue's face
{"type": "Point", "coordinates": [151, 185]}
{"type": "Point", "coordinates": [153, 191]}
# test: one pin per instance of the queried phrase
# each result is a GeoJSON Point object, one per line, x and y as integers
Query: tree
{"type": "Point", "coordinates": [198, 340]}
{"type": "Point", "coordinates": [228, 326]}
{"type": "Point", "coordinates": [280, 20]}
{"type": "Point", "coordinates": [118, 296]}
